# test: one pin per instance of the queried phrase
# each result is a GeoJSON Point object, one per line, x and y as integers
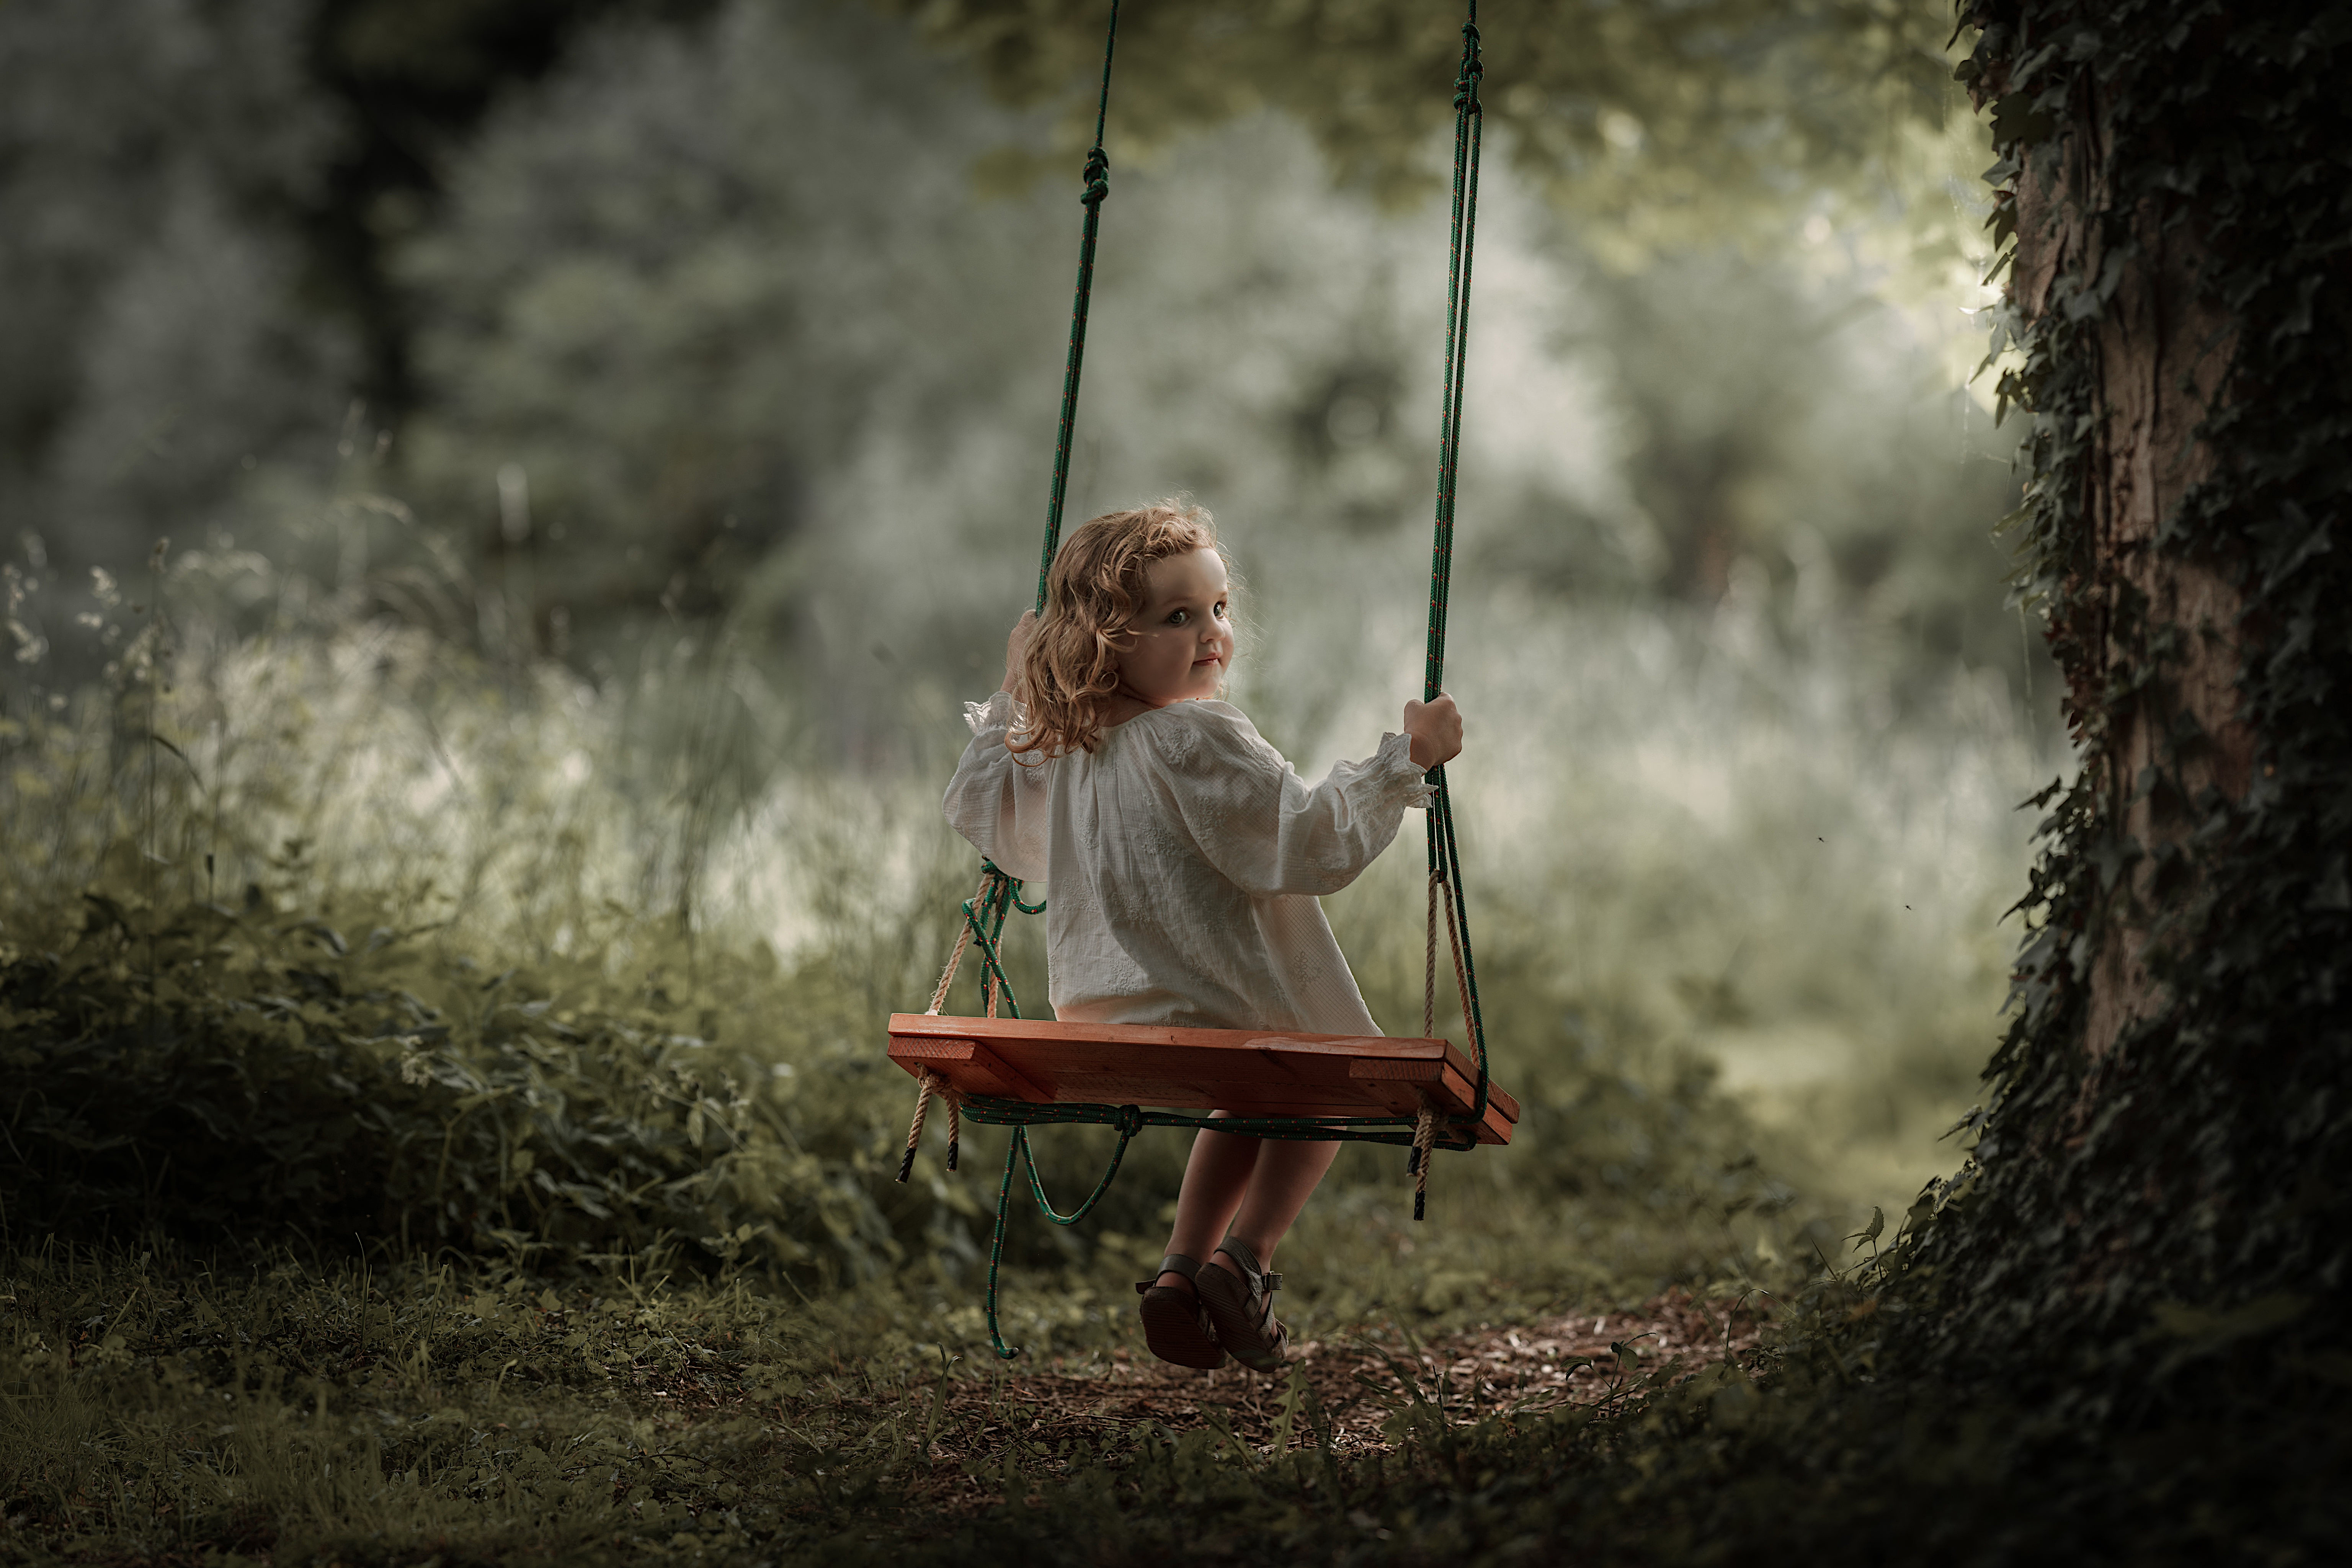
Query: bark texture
{"type": "Point", "coordinates": [2160, 626]}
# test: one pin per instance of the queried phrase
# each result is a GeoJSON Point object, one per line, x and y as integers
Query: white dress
{"type": "Point", "coordinates": [1182, 858]}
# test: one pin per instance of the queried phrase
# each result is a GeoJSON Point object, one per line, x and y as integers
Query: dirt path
{"type": "Point", "coordinates": [1355, 1385]}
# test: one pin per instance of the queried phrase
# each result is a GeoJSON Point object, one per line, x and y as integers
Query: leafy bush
{"type": "Point", "coordinates": [223, 1071]}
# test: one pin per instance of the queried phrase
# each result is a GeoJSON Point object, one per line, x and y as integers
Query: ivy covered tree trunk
{"type": "Point", "coordinates": [2162, 1177]}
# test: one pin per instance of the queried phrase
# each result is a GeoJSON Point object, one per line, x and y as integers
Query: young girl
{"type": "Point", "coordinates": [1183, 857]}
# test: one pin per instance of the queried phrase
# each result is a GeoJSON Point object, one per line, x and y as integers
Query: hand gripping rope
{"type": "Point", "coordinates": [984, 912]}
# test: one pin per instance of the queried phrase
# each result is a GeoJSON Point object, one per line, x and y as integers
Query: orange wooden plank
{"type": "Point", "coordinates": [1451, 1092]}
{"type": "Point", "coordinates": [968, 1065]}
{"type": "Point", "coordinates": [1245, 1071]}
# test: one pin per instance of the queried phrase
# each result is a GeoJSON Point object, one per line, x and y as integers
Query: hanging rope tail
{"type": "Point", "coordinates": [927, 1086]}
{"type": "Point", "coordinates": [1425, 1134]}
{"type": "Point", "coordinates": [915, 1128]}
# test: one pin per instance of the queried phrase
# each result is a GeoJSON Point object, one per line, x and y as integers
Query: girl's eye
{"type": "Point", "coordinates": [1180, 618]}
{"type": "Point", "coordinates": [1221, 609]}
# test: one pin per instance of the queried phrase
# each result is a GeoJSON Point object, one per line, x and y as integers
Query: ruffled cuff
{"type": "Point", "coordinates": [998, 712]}
{"type": "Point", "coordinates": [1392, 769]}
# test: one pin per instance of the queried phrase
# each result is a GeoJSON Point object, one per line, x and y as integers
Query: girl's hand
{"type": "Point", "coordinates": [1436, 731]}
{"type": "Point", "coordinates": [1016, 648]}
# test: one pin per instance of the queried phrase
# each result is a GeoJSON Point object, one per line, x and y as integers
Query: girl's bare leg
{"type": "Point", "coordinates": [1254, 1187]}
{"type": "Point", "coordinates": [1284, 1178]}
{"type": "Point", "coordinates": [1216, 1178]}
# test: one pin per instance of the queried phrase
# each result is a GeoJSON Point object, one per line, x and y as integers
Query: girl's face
{"type": "Point", "coordinates": [1182, 645]}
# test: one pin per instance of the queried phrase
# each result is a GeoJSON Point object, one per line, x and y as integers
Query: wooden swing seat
{"type": "Point", "coordinates": [1247, 1072]}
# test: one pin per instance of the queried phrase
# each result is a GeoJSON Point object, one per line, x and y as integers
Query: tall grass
{"type": "Point", "coordinates": [1699, 847]}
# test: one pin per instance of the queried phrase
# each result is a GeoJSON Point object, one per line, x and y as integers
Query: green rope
{"type": "Point", "coordinates": [1129, 1120]}
{"type": "Point", "coordinates": [1468, 121]}
{"type": "Point", "coordinates": [983, 915]}
{"type": "Point", "coordinates": [1392, 1130]}
{"type": "Point", "coordinates": [1097, 189]}
{"type": "Point", "coordinates": [1444, 855]}
{"type": "Point", "coordinates": [1015, 1146]}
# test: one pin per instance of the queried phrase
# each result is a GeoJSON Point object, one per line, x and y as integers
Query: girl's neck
{"type": "Point", "coordinates": [1125, 705]}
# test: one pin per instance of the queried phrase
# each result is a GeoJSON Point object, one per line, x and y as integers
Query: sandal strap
{"type": "Point", "coordinates": [1235, 1248]}
{"type": "Point", "coordinates": [1174, 1263]}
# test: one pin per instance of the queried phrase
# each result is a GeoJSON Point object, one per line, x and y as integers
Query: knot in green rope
{"type": "Point", "coordinates": [1466, 85]}
{"type": "Point", "coordinates": [1130, 1121]}
{"type": "Point", "coordinates": [1098, 178]}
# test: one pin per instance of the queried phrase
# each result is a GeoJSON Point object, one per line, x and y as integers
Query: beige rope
{"type": "Point", "coordinates": [955, 957]}
{"type": "Point", "coordinates": [931, 1083]}
{"type": "Point", "coordinates": [1425, 1137]}
{"type": "Point", "coordinates": [915, 1128]}
{"type": "Point", "coordinates": [1425, 1127]}
{"type": "Point", "coordinates": [1428, 963]}
{"type": "Point", "coordinates": [928, 1084]}
{"type": "Point", "coordinates": [1460, 970]}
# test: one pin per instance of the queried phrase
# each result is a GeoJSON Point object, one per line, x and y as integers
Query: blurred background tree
{"type": "Point", "coordinates": [648, 307]}
{"type": "Point", "coordinates": [601, 442]}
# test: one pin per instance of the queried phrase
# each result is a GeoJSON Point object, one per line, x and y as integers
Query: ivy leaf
{"type": "Point", "coordinates": [2015, 120]}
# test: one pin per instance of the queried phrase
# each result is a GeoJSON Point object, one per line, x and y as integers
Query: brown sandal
{"type": "Point", "coordinates": [1176, 1326]}
{"type": "Point", "coordinates": [1242, 1310]}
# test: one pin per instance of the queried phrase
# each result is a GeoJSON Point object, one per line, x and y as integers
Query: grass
{"type": "Point", "coordinates": [158, 1407]}
{"type": "Point", "coordinates": [358, 1413]}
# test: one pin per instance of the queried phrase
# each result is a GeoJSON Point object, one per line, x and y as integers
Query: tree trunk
{"type": "Point", "coordinates": [2160, 626]}
{"type": "Point", "coordinates": [2170, 1124]}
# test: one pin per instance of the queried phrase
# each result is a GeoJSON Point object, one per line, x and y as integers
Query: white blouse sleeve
{"type": "Point", "coordinates": [1263, 825]}
{"type": "Point", "coordinates": [995, 800]}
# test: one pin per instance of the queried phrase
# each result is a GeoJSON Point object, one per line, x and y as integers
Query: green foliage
{"type": "Point", "coordinates": [626, 854]}
{"type": "Point", "coordinates": [222, 1072]}
{"type": "Point", "coordinates": [237, 1075]}
{"type": "Point", "coordinates": [2135, 1213]}
{"type": "Point", "coordinates": [332, 937]}
{"type": "Point", "coordinates": [1683, 119]}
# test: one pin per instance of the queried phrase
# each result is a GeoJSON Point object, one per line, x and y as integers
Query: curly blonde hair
{"type": "Point", "coordinates": [1069, 671]}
